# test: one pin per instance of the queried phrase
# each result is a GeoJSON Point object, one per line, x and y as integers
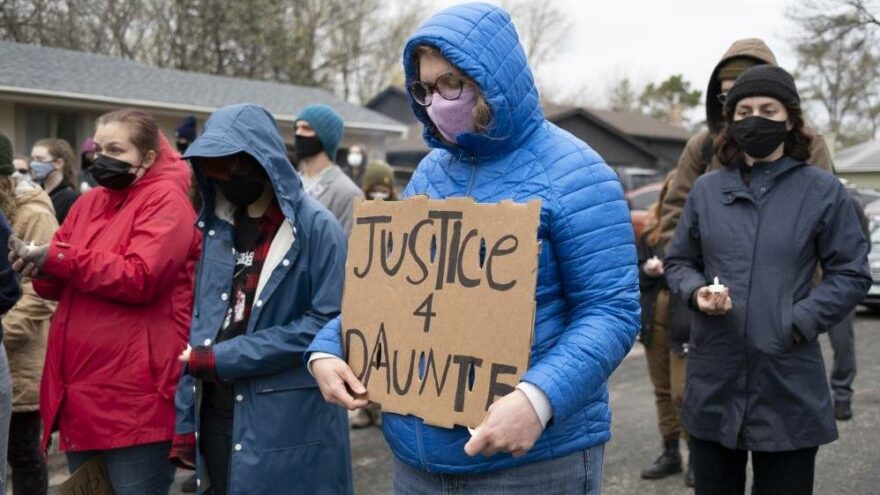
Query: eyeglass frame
{"type": "Point", "coordinates": [431, 88]}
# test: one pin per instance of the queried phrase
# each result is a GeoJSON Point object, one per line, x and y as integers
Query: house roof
{"type": "Point", "coordinates": [863, 157]}
{"type": "Point", "coordinates": [45, 71]}
{"type": "Point", "coordinates": [630, 123]}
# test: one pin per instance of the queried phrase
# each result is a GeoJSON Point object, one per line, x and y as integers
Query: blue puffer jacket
{"type": "Point", "coordinates": [588, 288]}
{"type": "Point", "coordinates": [286, 438]}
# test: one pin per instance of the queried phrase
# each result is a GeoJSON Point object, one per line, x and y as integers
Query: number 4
{"type": "Point", "coordinates": [425, 310]}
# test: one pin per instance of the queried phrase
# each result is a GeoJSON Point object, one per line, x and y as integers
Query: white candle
{"type": "Point", "coordinates": [717, 288]}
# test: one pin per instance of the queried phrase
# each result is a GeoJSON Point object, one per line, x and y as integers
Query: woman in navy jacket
{"type": "Point", "coordinates": [755, 377]}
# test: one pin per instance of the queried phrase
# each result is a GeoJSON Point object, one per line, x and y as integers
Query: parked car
{"type": "Point", "coordinates": [640, 201]}
{"type": "Point", "coordinates": [872, 300]}
{"type": "Point", "coordinates": [632, 178]}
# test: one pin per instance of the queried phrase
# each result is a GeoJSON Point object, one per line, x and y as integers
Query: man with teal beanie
{"type": "Point", "coordinates": [318, 134]}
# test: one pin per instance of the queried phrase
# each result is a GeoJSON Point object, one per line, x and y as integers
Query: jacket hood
{"type": "Point", "coordinates": [169, 169]}
{"type": "Point", "coordinates": [481, 41]}
{"type": "Point", "coordinates": [753, 48]}
{"type": "Point", "coordinates": [251, 129]}
{"type": "Point", "coordinates": [28, 193]}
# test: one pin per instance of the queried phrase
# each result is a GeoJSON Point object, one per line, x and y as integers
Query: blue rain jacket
{"type": "Point", "coordinates": [286, 438]}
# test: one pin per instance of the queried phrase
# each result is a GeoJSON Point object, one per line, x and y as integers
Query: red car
{"type": "Point", "coordinates": [640, 201]}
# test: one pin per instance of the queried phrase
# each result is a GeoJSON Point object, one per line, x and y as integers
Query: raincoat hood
{"type": "Point", "coordinates": [481, 41]}
{"type": "Point", "coordinates": [168, 168]}
{"type": "Point", "coordinates": [253, 130]}
{"type": "Point", "coordinates": [752, 48]}
{"type": "Point", "coordinates": [27, 192]}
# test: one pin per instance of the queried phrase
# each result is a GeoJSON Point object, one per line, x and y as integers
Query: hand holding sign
{"type": "Point", "coordinates": [337, 382]}
{"type": "Point", "coordinates": [511, 425]}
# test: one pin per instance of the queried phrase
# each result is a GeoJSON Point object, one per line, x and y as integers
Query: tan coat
{"type": "Point", "coordinates": [26, 325]}
{"type": "Point", "coordinates": [691, 164]}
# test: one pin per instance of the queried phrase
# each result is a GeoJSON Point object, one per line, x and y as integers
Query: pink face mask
{"type": "Point", "coordinates": [453, 117]}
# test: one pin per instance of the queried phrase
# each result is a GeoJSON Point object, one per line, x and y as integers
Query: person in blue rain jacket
{"type": "Point", "coordinates": [269, 278]}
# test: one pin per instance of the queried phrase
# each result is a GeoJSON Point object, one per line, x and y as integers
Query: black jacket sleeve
{"type": "Point", "coordinates": [10, 290]}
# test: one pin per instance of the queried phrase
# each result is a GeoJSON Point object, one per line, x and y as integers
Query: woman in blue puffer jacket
{"type": "Point", "coordinates": [471, 87]}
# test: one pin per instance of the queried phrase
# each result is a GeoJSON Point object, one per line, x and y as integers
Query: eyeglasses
{"type": "Point", "coordinates": [448, 86]}
{"type": "Point", "coordinates": [722, 97]}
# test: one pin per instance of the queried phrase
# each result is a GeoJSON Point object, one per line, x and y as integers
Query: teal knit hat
{"type": "Point", "coordinates": [6, 167]}
{"type": "Point", "coordinates": [327, 124]}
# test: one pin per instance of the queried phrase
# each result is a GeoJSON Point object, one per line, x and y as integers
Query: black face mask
{"type": "Point", "coordinates": [182, 146]}
{"type": "Point", "coordinates": [112, 173]}
{"type": "Point", "coordinates": [757, 136]}
{"type": "Point", "coordinates": [307, 146]}
{"type": "Point", "coordinates": [241, 190]}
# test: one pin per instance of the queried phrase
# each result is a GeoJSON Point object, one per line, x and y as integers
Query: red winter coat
{"type": "Point", "coordinates": [121, 267]}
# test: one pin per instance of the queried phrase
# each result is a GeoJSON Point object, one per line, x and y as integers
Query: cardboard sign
{"type": "Point", "coordinates": [90, 479]}
{"type": "Point", "coordinates": [439, 304]}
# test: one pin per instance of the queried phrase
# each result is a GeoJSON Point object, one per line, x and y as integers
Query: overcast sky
{"type": "Point", "coordinates": [651, 40]}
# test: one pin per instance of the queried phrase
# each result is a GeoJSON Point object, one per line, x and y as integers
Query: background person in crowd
{"type": "Point", "coordinates": [843, 344]}
{"type": "Point", "coordinates": [86, 158]}
{"type": "Point", "coordinates": [471, 87]}
{"type": "Point", "coordinates": [356, 159]}
{"type": "Point", "coordinates": [318, 134]}
{"type": "Point", "coordinates": [665, 331]}
{"type": "Point", "coordinates": [121, 267]}
{"type": "Point", "coordinates": [185, 133]}
{"type": "Point", "coordinates": [698, 157]}
{"type": "Point", "coordinates": [755, 376]}
{"type": "Point", "coordinates": [379, 181]}
{"type": "Point", "coordinates": [9, 294]}
{"type": "Point", "coordinates": [270, 277]}
{"type": "Point", "coordinates": [22, 166]}
{"type": "Point", "coordinates": [52, 168]}
{"type": "Point", "coordinates": [26, 327]}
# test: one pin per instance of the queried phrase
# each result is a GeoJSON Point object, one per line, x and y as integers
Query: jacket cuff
{"type": "Point", "coordinates": [183, 451]}
{"type": "Point", "coordinates": [539, 402]}
{"type": "Point", "coordinates": [203, 364]}
{"type": "Point", "coordinates": [689, 287]}
{"type": "Point", "coordinates": [316, 356]}
{"type": "Point", "coordinates": [59, 260]}
{"type": "Point", "coordinates": [804, 323]}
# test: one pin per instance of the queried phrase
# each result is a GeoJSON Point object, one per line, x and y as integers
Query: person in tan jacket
{"type": "Point", "coordinates": [26, 327]}
{"type": "Point", "coordinates": [698, 157]}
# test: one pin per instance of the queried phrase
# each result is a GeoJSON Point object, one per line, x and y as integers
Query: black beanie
{"type": "Point", "coordinates": [763, 80]}
{"type": "Point", "coordinates": [6, 167]}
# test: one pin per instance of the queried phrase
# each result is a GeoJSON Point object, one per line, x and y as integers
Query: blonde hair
{"type": "Point", "coordinates": [482, 114]}
{"type": "Point", "coordinates": [8, 206]}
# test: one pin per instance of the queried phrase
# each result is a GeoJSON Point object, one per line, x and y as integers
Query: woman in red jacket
{"type": "Point", "coordinates": [122, 269]}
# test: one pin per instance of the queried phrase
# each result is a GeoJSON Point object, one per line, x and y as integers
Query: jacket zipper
{"type": "Point", "coordinates": [473, 175]}
{"type": "Point", "coordinates": [740, 433]}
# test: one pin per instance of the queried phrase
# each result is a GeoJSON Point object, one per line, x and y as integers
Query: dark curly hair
{"type": "Point", "coordinates": [798, 141]}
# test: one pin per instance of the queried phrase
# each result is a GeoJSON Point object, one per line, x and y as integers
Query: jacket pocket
{"type": "Point", "coordinates": [140, 361]}
{"type": "Point", "coordinates": [289, 411]}
{"type": "Point", "coordinates": [773, 334]}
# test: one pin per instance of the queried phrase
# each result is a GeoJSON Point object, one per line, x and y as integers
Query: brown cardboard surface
{"type": "Point", "coordinates": [452, 314]}
{"type": "Point", "coordinates": [90, 479]}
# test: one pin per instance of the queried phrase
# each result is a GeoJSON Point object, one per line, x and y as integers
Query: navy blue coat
{"type": "Point", "coordinates": [750, 385]}
{"type": "Point", "coordinates": [286, 438]}
{"type": "Point", "coordinates": [9, 280]}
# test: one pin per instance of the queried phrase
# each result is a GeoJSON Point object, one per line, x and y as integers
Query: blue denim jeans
{"type": "Point", "coordinates": [138, 470]}
{"type": "Point", "coordinates": [575, 474]}
{"type": "Point", "coordinates": [5, 413]}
